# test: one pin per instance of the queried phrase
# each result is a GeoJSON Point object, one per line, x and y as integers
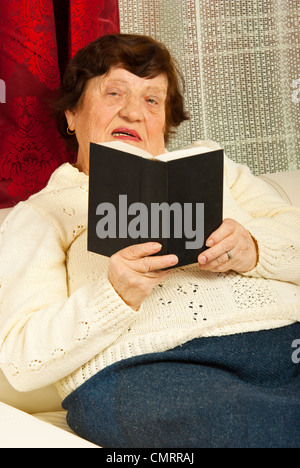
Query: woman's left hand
{"type": "Point", "coordinates": [231, 247]}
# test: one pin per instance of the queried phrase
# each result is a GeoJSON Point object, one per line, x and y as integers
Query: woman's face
{"type": "Point", "coordinates": [120, 106]}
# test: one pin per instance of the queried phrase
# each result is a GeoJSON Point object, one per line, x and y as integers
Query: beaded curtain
{"type": "Point", "coordinates": [241, 62]}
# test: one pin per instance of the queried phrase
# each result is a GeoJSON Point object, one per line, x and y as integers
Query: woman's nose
{"type": "Point", "coordinates": [132, 109]}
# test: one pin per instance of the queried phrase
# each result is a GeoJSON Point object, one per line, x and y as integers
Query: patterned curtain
{"type": "Point", "coordinates": [91, 19]}
{"type": "Point", "coordinates": [34, 38]}
{"type": "Point", "coordinates": [241, 61]}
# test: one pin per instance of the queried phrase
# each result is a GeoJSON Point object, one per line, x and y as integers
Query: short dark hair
{"type": "Point", "coordinates": [141, 55]}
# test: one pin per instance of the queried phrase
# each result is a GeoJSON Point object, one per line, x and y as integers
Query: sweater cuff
{"type": "Point", "coordinates": [276, 259]}
{"type": "Point", "coordinates": [108, 307]}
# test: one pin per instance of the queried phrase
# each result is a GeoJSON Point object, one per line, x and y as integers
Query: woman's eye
{"type": "Point", "coordinates": [113, 93]}
{"type": "Point", "coordinates": [152, 101]}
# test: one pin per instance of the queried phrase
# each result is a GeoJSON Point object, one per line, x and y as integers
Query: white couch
{"type": "Point", "coordinates": [35, 419]}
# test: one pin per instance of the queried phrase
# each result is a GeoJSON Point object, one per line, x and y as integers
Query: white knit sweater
{"type": "Point", "coordinates": [61, 320]}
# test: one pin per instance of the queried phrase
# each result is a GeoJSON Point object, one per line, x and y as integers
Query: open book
{"type": "Point", "coordinates": [175, 199]}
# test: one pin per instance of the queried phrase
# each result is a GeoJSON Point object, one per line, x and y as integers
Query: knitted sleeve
{"type": "Point", "coordinates": [274, 224]}
{"type": "Point", "coordinates": [45, 334]}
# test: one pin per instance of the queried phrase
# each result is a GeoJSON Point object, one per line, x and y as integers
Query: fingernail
{"type": "Point", "coordinates": [173, 260]}
{"type": "Point", "coordinates": [156, 247]}
{"type": "Point", "coordinates": [202, 260]}
{"type": "Point", "coordinates": [210, 243]}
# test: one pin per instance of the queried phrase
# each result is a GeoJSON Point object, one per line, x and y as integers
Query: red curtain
{"type": "Point", "coordinates": [30, 146]}
{"type": "Point", "coordinates": [91, 19]}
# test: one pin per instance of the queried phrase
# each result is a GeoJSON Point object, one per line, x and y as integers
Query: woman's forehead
{"type": "Point", "coordinates": [124, 77]}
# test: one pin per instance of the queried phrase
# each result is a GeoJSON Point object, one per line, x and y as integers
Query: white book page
{"type": "Point", "coordinates": [173, 155]}
{"type": "Point", "coordinates": [126, 148]}
{"type": "Point", "coordinates": [184, 153]}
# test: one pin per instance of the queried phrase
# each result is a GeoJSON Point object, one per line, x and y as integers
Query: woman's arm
{"type": "Point", "coordinates": [273, 225]}
{"type": "Point", "coordinates": [45, 334]}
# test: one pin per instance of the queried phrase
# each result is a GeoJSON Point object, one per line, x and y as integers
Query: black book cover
{"type": "Point", "coordinates": [132, 199]}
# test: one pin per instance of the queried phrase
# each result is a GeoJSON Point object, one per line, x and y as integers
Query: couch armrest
{"type": "Point", "coordinates": [20, 430]}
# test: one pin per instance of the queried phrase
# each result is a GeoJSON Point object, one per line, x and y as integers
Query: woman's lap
{"type": "Point", "coordinates": [232, 391]}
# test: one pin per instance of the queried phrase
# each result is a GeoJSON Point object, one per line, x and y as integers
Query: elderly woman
{"type": "Point", "coordinates": [144, 355]}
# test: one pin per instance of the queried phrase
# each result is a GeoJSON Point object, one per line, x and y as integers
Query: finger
{"type": "Point", "coordinates": [217, 253]}
{"type": "Point", "coordinates": [222, 263]}
{"type": "Point", "coordinates": [159, 275]}
{"type": "Point", "coordinates": [155, 264]}
{"type": "Point", "coordinates": [227, 227]}
{"type": "Point", "coordinates": [138, 251]}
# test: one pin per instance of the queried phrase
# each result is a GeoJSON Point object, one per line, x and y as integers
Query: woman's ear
{"type": "Point", "coordinates": [70, 116]}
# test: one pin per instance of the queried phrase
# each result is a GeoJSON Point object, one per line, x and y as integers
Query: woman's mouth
{"type": "Point", "coordinates": [126, 134]}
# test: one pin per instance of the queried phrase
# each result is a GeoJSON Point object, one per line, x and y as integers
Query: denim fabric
{"type": "Point", "coordinates": [238, 391]}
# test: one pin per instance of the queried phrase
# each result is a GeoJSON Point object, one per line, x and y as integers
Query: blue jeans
{"type": "Point", "coordinates": [238, 391]}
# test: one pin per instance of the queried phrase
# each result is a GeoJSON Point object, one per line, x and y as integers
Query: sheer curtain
{"type": "Point", "coordinates": [241, 61]}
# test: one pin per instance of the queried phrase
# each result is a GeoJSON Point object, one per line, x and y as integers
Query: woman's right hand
{"type": "Point", "coordinates": [133, 272]}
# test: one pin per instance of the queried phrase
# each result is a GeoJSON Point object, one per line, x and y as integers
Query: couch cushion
{"type": "Point", "coordinates": [287, 184]}
{"type": "Point", "coordinates": [56, 418]}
